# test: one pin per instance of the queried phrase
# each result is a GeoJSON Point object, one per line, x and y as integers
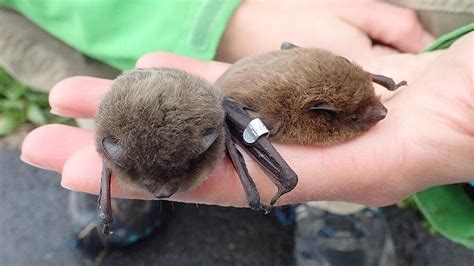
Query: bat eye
{"type": "Point", "coordinates": [355, 118]}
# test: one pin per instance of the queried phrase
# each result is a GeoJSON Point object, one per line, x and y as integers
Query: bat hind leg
{"type": "Point", "coordinates": [387, 82]}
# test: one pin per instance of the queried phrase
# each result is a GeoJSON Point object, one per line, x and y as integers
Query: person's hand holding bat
{"type": "Point", "coordinates": [425, 140]}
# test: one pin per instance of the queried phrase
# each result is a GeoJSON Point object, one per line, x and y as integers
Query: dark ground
{"type": "Point", "coordinates": [35, 228]}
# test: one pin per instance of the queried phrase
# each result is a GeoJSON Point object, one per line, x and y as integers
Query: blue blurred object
{"type": "Point", "coordinates": [324, 238]}
{"type": "Point", "coordinates": [286, 215]}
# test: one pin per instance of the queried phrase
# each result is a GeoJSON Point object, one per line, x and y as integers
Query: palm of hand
{"type": "Point", "coordinates": [426, 139]}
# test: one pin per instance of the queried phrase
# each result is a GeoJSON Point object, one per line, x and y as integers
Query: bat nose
{"type": "Point", "coordinates": [166, 191]}
{"type": "Point", "coordinates": [376, 114]}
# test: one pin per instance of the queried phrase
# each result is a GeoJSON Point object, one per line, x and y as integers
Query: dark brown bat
{"type": "Point", "coordinates": [163, 130]}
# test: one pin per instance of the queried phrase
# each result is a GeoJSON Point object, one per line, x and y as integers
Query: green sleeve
{"type": "Point", "coordinates": [119, 32]}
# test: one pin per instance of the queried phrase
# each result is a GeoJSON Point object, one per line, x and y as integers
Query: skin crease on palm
{"type": "Point", "coordinates": [426, 139]}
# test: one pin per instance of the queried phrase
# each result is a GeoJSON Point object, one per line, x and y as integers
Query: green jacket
{"type": "Point", "coordinates": [119, 32]}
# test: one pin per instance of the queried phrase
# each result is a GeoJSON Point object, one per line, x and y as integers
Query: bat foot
{"type": "Point", "coordinates": [401, 83]}
{"type": "Point", "coordinates": [106, 230]}
{"type": "Point", "coordinates": [387, 82]}
{"type": "Point", "coordinates": [265, 208]}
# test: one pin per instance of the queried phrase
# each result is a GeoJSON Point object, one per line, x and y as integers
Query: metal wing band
{"type": "Point", "coordinates": [254, 130]}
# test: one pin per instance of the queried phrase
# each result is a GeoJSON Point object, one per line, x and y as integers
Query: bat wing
{"type": "Point", "coordinates": [260, 148]}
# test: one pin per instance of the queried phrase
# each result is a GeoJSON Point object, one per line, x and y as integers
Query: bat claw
{"type": "Point", "coordinates": [106, 230]}
{"type": "Point", "coordinates": [401, 83]}
{"type": "Point", "coordinates": [265, 208]}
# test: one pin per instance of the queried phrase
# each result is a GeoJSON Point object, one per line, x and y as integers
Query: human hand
{"type": "Point", "coordinates": [426, 139]}
{"type": "Point", "coordinates": [343, 27]}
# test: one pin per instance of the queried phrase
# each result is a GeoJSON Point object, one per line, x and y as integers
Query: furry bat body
{"type": "Point", "coordinates": [163, 130]}
{"type": "Point", "coordinates": [305, 95]}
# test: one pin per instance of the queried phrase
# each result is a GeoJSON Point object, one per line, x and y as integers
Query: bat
{"type": "Point", "coordinates": [306, 95]}
{"type": "Point", "coordinates": [162, 131]}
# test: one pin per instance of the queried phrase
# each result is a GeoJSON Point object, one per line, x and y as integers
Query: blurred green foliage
{"type": "Point", "coordinates": [20, 105]}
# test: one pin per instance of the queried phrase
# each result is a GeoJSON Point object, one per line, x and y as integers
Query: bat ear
{"type": "Point", "coordinates": [208, 139]}
{"type": "Point", "coordinates": [326, 107]}
{"type": "Point", "coordinates": [114, 151]}
{"type": "Point", "coordinates": [287, 46]}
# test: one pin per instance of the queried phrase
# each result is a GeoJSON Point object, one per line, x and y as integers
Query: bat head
{"type": "Point", "coordinates": [339, 103]}
{"type": "Point", "coordinates": [160, 130]}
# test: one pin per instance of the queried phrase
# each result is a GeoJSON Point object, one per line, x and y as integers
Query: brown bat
{"type": "Point", "coordinates": [305, 95]}
{"type": "Point", "coordinates": [163, 130]}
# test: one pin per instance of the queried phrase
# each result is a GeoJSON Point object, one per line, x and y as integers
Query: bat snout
{"type": "Point", "coordinates": [375, 114]}
{"type": "Point", "coordinates": [166, 190]}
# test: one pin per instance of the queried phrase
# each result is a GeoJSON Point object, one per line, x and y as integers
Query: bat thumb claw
{"type": "Point", "coordinates": [279, 193]}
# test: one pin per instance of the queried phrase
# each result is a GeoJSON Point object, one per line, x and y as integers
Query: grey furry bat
{"type": "Point", "coordinates": [160, 131]}
{"type": "Point", "coordinates": [163, 130]}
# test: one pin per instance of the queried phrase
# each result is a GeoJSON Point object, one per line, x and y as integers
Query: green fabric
{"type": "Point", "coordinates": [118, 32]}
{"type": "Point", "coordinates": [448, 208]}
{"type": "Point", "coordinates": [446, 40]}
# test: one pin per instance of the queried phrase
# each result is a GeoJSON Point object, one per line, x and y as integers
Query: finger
{"type": "Point", "coordinates": [209, 70]}
{"type": "Point", "coordinates": [83, 169]}
{"type": "Point", "coordinates": [78, 97]}
{"type": "Point", "coordinates": [338, 173]}
{"type": "Point", "coordinates": [49, 146]}
{"type": "Point", "coordinates": [382, 50]}
{"type": "Point", "coordinates": [396, 26]}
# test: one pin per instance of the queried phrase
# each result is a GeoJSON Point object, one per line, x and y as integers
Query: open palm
{"type": "Point", "coordinates": [426, 139]}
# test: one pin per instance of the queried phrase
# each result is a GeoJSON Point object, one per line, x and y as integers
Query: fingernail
{"type": "Point", "coordinates": [54, 112]}
{"type": "Point", "coordinates": [28, 161]}
{"type": "Point", "coordinates": [66, 186]}
{"type": "Point", "coordinates": [64, 112]}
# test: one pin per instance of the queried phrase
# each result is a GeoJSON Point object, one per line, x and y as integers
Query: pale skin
{"type": "Point", "coordinates": [426, 139]}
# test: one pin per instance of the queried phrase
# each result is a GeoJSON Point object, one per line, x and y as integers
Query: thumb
{"type": "Point", "coordinates": [388, 24]}
{"type": "Point", "coordinates": [209, 70]}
